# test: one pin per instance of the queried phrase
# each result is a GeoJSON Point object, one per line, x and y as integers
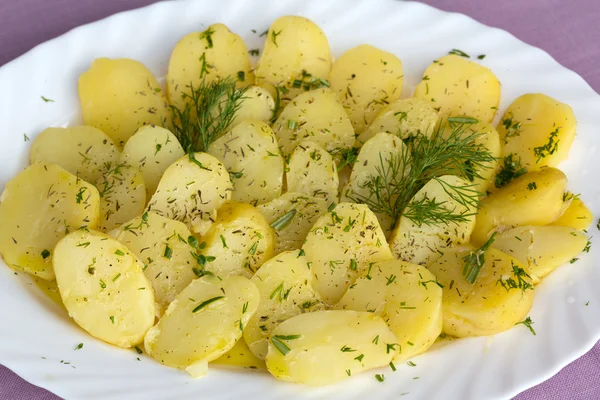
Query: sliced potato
{"type": "Point", "coordinates": [328, 346]}
{"type": "Point", "coordinates": [341, 246]}
{"type": "Point", "coordinates": [81, 150]}
{"type": "Point", "coordinates": [215, 53]}
{"type": "Point", "coordinates": [284, 283]}
{"type": "Point", "coordinates": [316, 116]}
{"type": "Point", "coordinates": [161, 244]}
{"type": "Point", "coordinates": [152, 150]}
{"type": "Point", "coordinates": [293, 215]}
{"type": "Point", "coordinates": [191, 190]}
{"type": "Point", "coordinates": [118, 96]}
{"type": "Point", "coordinates": [501, 296]}
{"type": "Point", "coordinates": [532, 199]}
{"type": "Point", "coordinates": [490, 141]}
{"type": "Point", "coordinates": [241, 356]}
{"type": "Point", "coordinates": [365, 79]}
{"type": "Point", "coordinates": [421, 243]}
{"type": "Point", "coordinates": [312, 171]}
{"type": "Point", "coordinates": [576, 215]}
{"type": "Point", "coordinates": [457, 86]}
{"type": "Point", "coordinates": [251, 155]}
{"type": "Point", "coordinates": [240, 241]}
{"type": "Point", "coordinates": [538, 129]}
{"type": "Point", "coordinates": [203, 322]}
{"type": "Point", "coordinates": [103, 287]}
{"type": "Point", "coordinates": [258, 105]}
{"type": "Point", "coordinates": [407, 297]}
{"type": "Point", "coordinates": [541, 248]}
{"type": "Point", "coordinates": [37, 208]}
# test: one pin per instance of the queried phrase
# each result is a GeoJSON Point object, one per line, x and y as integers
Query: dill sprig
{"type": "Point", "coordinates": [475, 261]}
{"type": "Point", "coordinates": [209, 110]}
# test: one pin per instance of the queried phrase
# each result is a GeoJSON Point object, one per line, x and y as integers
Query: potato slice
{"type": "Point", "coordinates": [293, 215]}
{"type": "Point", "coordinates": [103, 287]}
{"type": "Point", "coordinates": [312, 171]}
{"type": "Point", "coordinates": [341, 246]}
{"type": "Point", "coordinates": [328, 346]}
{"type": "Point", "coordinates": [541, 248]}
{"type": "Point", "coordinates": [162, 245]}
{"type": "Point", "coordinates": [240, 241]}
{"type": "Point", "coordinates": [152, 150]}
{"type": "Point", "coordinates": [316, 116]}
{"type": "Point", "coordinates": [296, 56]}
{"type": "Point", "coordinates": [422, 243]}
{"type": "Point", "coordinates": [284, 283]}
{"type": "Point", "coordinates": [532, 199]}
{"type": "Point", "coordinates": [191, 190]}
{"type": "Point", "coordinates": [258, 105]}
{"type": "Point", "coordinates": [203, 322]}
{"type": "Point", "coordinates": [37, 208]}
{"type": "Point", "coordinates": [119, 96]}
{"type": "Point", "coordinates": [215, 53]}
{"type": "Point", "coordinates": [537, 129]}
{"type": "Point", "coordinates": [576, 215]}
{"type": "Point", "coordinates": [403, 118]}
{"type": "Point", "coordinates": [240, 356]}
{"type": "Point", "coordinates": [406, 296]}
{"type": "Point", "coordinates": [501, 296]}
{"type": "Point", "coordinates": [365, 79]}
{"type": "Point", "coordinates": [251, 155]}
{"type": "Point", "coordinates": [81, 150]}
{"type": "Point", "coordinates": [457, 86]}
{"type": "Point", "coordinates": [490, 141]}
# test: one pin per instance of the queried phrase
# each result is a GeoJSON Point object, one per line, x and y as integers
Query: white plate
{"type": "Point", "coordinates": [36, 337]}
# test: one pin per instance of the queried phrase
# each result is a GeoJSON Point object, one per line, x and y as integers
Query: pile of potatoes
{"type": "Point", "coordinates": [254, 252]}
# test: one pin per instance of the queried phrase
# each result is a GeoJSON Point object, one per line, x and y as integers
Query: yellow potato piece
{"type": "Point", "coordinates": [576, 215]}
{"type": "Point", "coordinates": [365, 80]}
{"type": "Point", "coordinates": [501, 296]}
{"type": "Point", "coordinates": [191, 190]}
{"type": "Point", "coordinates": [284, 283]}
{"type": "Point", "coordinates": [37, 208]}
{"type": "Point", "coordinates": [541, 248]}
{"type": "Point", "coordinates": [537, 129]}
{"type": "Point", "coordinates": [489, 141]}
{"type": "Point", "coordinates": [407, 297]}
{"type": "Point", "coordinates": [341, 246]}
{"type": "Point", "coordinates": [118, 96]}
{"type": "Point", "coordinates": [324, 347]}
{"type": "Point", "coordinates": [312, 171]}
{"type": "Point", "coordinates": [240, 356]}
{"type": "Point", "coordinates": [532, 199]}
{"type": "Point", "coordinates": [457, 86]}
{"type": "Point", "coordinates": [103, 287]}
{"type": "Point", "coordinates": [258, 105]}
{"type": "Point", "coordinates": [204, 322]}
{"type": "Point", "coordinates": [81, 150]}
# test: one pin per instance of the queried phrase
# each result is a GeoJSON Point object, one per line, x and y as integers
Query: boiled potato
{"type": "Point", "coordinates": [284, 283]}
{"type": "Point", "coordinates": [328, 346]}
{"type": "Point", "coordinates": [191, 190]}
{"type": "Point", "coordinates": [241, 356]}
{"type": "Point", "coordinates": [81, 150]}
{"type": "Point", "coordinates": [251, 155]}
{"type": "Point", "coordinates": [37, 208]}
{"type": "Point", "coordinates": [421, 242]}
{"type": "Point", "coordinates": [119, 96]}
{"type": "Point", "coordinates": [152, 150]}
{"type": "Point", "coordinates": [341, 246]}
{"type": "Point", "coordinates": [312, 171]}
{"type": "Point", "coordinates": [162, 245]}
{"type": "Point", "coordinates": [532, 199]}
{"type": "Point", "coordinates": [365, 80]}
{"type": "Point", "coordinates": [538, 129]}
{"type": "Point", "coordinates": [103, 287]}
{"type": "Point", "coordinates": [203, 322]}
{"type": "Point", "coordinates": [541, 248]}
{"type": "Point", "coordinates": [403, 118]}
{"type": "Point", "coordinates": [500, 297]}
{"type": "Point", "coordinates": [215, 53]}
{"type": "Point", "coordinates": [407, 297]}
{"type": "Point", "coordinates": [292, 215]}
{"type": "Point", "coordinates": [296, 56]}
{"type": "Point", "coordinates": [576, 215]}
{"type": "Point", "coordinates": [240, 241]}
{"type": "Point", "coordinates": [316, 116]}
{"type": "Point", "coordinates": [457, 86]}
{"type": "Point", "coordinates": [122, 195]}
{"type": "Point", "coordinates": [490, 141]}
{"type": "Point", "coordinates": [258, 105]}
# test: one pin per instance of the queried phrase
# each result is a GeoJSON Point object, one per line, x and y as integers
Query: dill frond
{"type": "Point", "coordinates": [475, 261]}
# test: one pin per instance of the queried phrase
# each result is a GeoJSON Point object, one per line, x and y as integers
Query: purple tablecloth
{"type": "Point", "coordinates": [567, 29]}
